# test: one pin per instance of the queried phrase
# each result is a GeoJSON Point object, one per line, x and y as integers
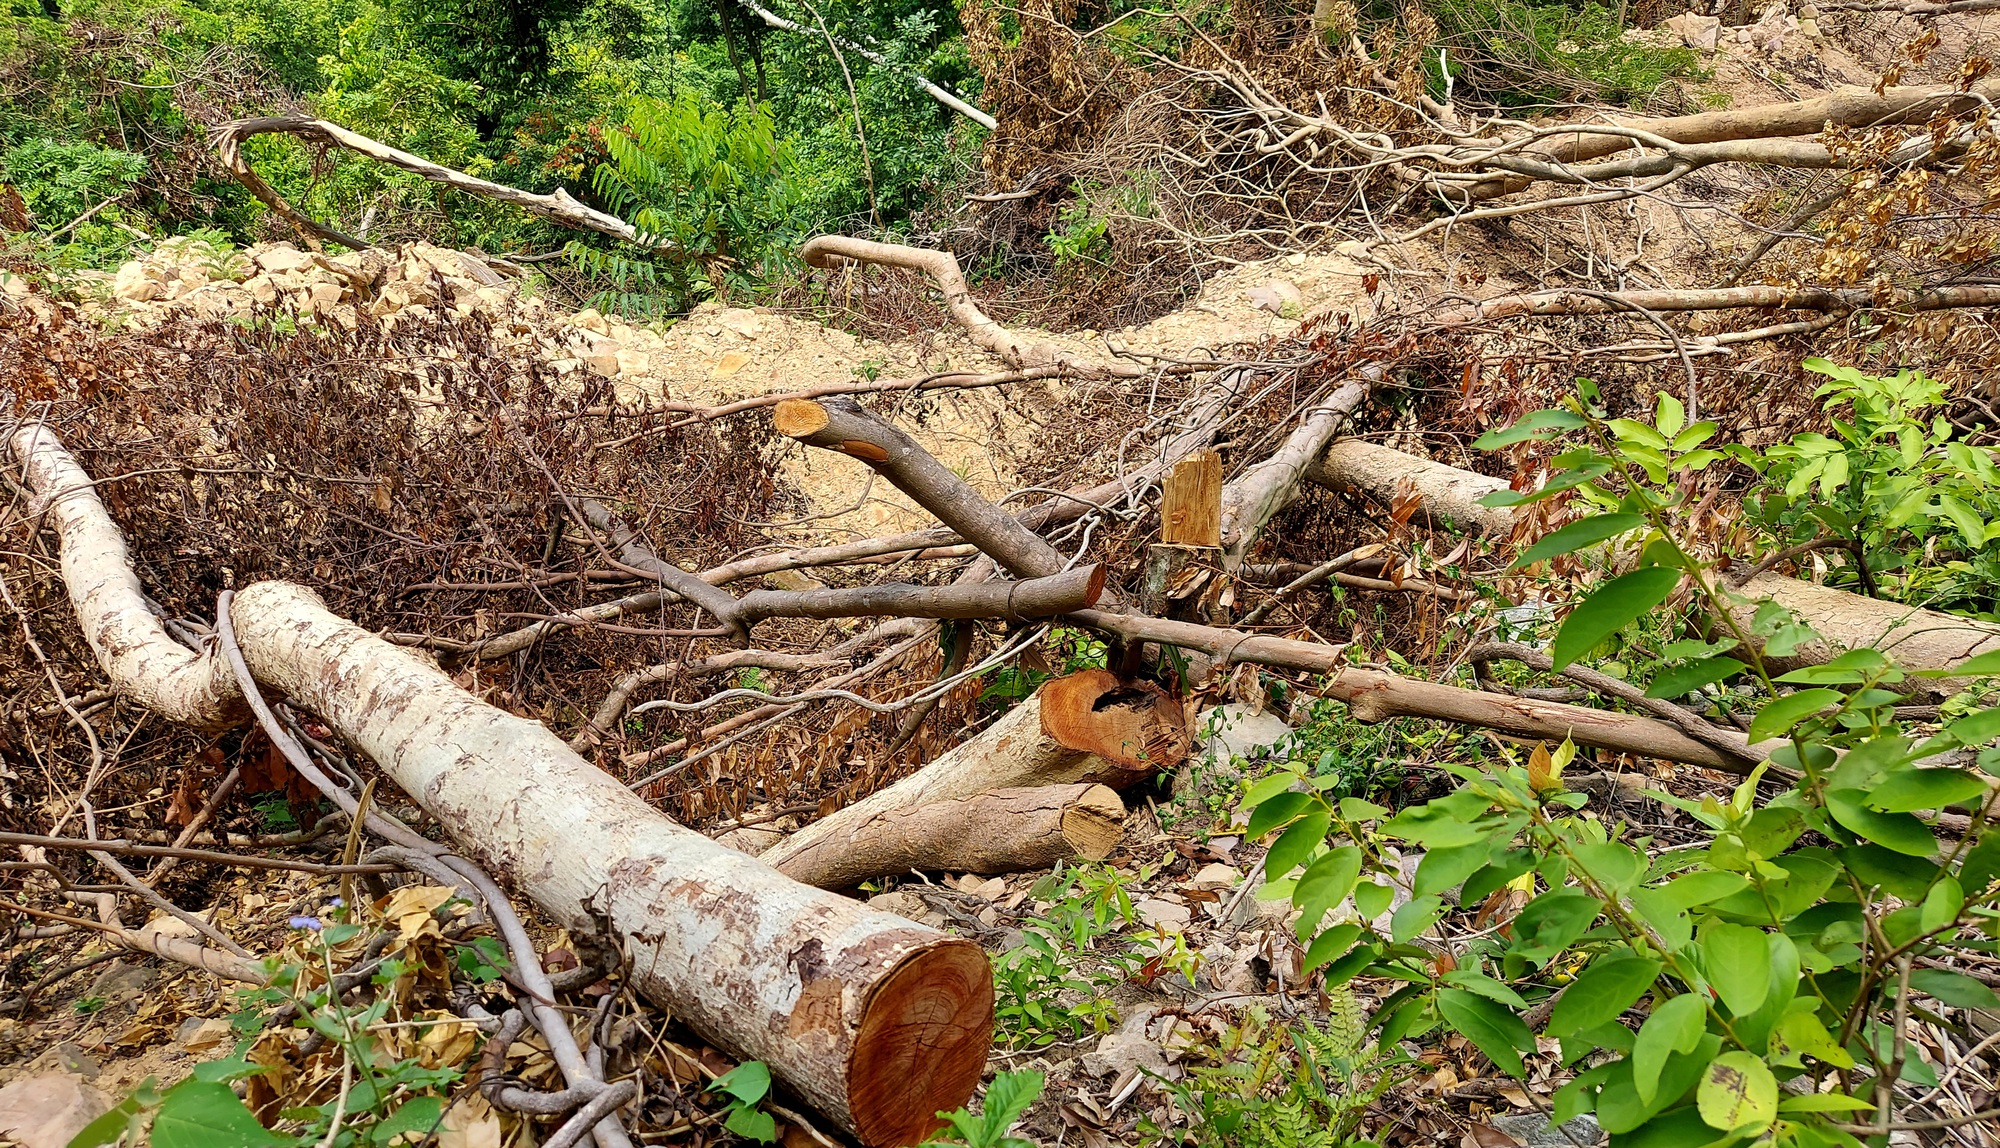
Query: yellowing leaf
{"type": "Point", "coordinates": [1738, 1094]}
{"type": "Point", "coordinates": [412, 909]}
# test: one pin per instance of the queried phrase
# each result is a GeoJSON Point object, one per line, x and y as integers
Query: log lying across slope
{"type": "Point", "coordinates": [1086, 727]}
{"type": "Point", "coordinates": [876, 1020]}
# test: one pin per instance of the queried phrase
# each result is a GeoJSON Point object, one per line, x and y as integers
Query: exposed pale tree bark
{"type": "Point", "coordinates": [1086, 727]}
{"type": "Point", "coordinates": [999, 831]}
{"type": "Point", "coordinates": [875, 1020]}
{"type": "Point", "coordinates": [1915, 637]}
{"type": "Point", "coordinates": [1448, 495]}
{"type": "Point", "coordinates": [1261, 491]}
{"type": "Point", "coordinates": [1827, 299]}
{"type": "Point", "coordinates": [559, 206]}
{"type": "Point", "coordinates": [1848, 108]}
{"type": "Point", "coordinates": [828, 251]}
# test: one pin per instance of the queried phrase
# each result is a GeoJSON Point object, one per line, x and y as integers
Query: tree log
{"type": "Point", "coordinates": [1849, 107]}
{"type": "Point", "coordinates": [1377, 696]}
{"type": "Point", "coordinates": [877, 1021]}
{"type": "Point", "coordinates": [999, 831]}
{"type": "Point", "coordinates": [1086, 727]}
{"type": "Point", "coordinates": [1915, 637]}
{"type": "Point", "coordinates": [1260, 492]}
{"type": "Point", "coordinates": [1448, 495]}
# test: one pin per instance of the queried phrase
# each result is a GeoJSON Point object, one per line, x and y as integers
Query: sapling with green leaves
{"type": "Point", "coordinates": [1754, 989]}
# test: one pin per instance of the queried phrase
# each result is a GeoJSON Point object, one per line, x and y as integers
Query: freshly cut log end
{"type": "Point", "coordinates": [1133, 725]}
{"type": "Point", "coordinates": [1094, 823]}
{"type": "Point", "coordinates": [797, 418]}
{"type": "Point", "coordinates": [922, 1043]}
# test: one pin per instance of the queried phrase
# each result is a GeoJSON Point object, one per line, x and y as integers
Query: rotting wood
{"type": "Point", "coordinates": [877, 1021]}
{"type": "Point", "coordinates": [998, 831]}
{"type": "Point", "coordinates": [1086, 727]}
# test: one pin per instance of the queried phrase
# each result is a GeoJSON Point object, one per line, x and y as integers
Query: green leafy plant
{"type": "Point", "coordinates": [746, 1086]}
{"type": "Point", "coordinates": [1900, 507]}
{"type": "Point", "coordinates": [1753, 989]}
{"type": "Point", "coordinates": [1007, 1098]}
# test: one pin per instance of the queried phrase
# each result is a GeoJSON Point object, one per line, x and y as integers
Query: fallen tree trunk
{"type": "Point", "coordinates": [1015, 601]}
{"type": "Point", "coordinates": [1447, 495]}
{"type": "Point", "coordinates": [1825, 299]}
{"type": "Point", "coordinates": [999, 831]}
{"type": "Point", "coordinates": [1086, 727]}
{"type": "Point", "coordinates": [1915, 637]}
{"type": "Point", "coordinates": [1847, 108]}
{"type": "Point", "coordinates": [877, 1021]}
{"type": "Point", "coordinates": [1261, 491]}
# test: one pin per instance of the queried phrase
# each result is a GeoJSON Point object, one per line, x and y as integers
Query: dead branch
{"type": "Point", "coordinates": [942, 95]}
{"type": "Point", "coordinates": [559, 206]}
{"type": "Point", "coordinates": [1374, 695]}
{"type": "Point", "coordinates": [830, 251]}
{"type": "Point", "coordinates": [844, 426]}
{"type": "Point", "coordinates": [1014, 601]}
{"type": "Point", "coordinates": [1829, 299]}
{"type": "Point", "coordinates": [1000, 831]}
{"type": "Point", "coordinates": [1448, 496]}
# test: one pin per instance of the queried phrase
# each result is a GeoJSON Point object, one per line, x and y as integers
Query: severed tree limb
{"type": "Point", "coordinates": [720, 603]}
{"type": "Point", "coordinates": [1849, 107]}
{"type": "Point", "coordinates": [877, 1021]}
{"type": "Point", "coordinates": [1015, 601]}
{"type": "Point", "coordinates": [1086, 727]}
{"type": "Point", "coordinates": [1259, 493]}
{"type": "Point", "coordinates": [1374, 695]}
{"type": "Point", "coordinates": [845, 426]}
{"type": "Point", "coordinates": [999, 831]}
{"type": "Point", "coordinates": [560, 206]}
{"type": "Point", "coordinates": [828, 251]}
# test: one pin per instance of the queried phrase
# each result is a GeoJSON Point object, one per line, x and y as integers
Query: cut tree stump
{"type": "Point", "coordinates": [1087, 727]}
{"type": "Point", "coordinates": [999, 831]}
{"type": "Point", "coordinates": [877, 1021]}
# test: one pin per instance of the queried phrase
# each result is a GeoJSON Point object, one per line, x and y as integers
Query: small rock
{"type": "Point", "coordinates": [1534, 1130]}
{"type": "Point", "coordinates": [121, 982]}
{"type": "Point", "coordinates": [991, 888]}
{"type": "Point", "coordinates": [135, 283]}
{"type": "Point", "coordinates": [284, 259]}
{"type": "Point", "coordinates": [900, 903]}
{"type": "Point", "coordinates": [1216, 876]}
{"type": "Point", "coordinates": [1157, 914]}
{"type": "Point", "coordinates": [1126, 1049]}
{"type": "Point", "coordinates": [75, 1060]}
{"type": "Point", "coordinates": [1236, 730]}
{"type": "Point", "coordinates": [590, 320]}
{"type": "Point", "coordinates": [48, 1111]}
{"type": "Point", "coordinates": [1696, 31]}
{"type": "Point", "coordinates": [633, 362]}
{"type": "Point", "coordinates": [1279, 297]}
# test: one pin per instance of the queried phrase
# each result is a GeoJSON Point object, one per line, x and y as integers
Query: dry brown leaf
{"type": "Point", "coordinates": [1479, 1134]}
{"type": "Point", "coordinates": [470, 1123]}
{"type": "Point", "coordinates": [412, 909]}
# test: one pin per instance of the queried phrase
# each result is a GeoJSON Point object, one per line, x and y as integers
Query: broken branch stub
{"type": "Point", "coordinates": [1000, 831]}
{"type": "Point", "coordinates": [1087, 727]}
{"type": "Point", "coordinates": [877, 1021]}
